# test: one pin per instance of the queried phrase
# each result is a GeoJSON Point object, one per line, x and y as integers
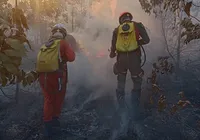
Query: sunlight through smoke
{"type": "Point", "coordinates": [96, 7]}
{"type": "Point", "coordinates": [113, 5]}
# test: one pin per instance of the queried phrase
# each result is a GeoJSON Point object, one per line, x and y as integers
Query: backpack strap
{"type": "Point", "coordinates": [59, 55]}
{"type": "Point", "coordinates": [60, 79]}
{"type": "Point", "coordinates": [62, 70]}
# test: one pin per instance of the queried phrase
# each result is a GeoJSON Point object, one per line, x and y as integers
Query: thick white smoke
{"type": "Point", "coordinates": [93, 67]}
{"type": "Point", "coordinates": [96, 38]}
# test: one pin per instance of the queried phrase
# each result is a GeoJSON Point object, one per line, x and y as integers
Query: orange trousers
{"type": "Point", "coordinates": [52, 105]}
{"type": "Point", "coordinates": [53, 98]}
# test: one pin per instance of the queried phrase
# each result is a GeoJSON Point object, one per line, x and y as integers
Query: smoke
{"type": "Point", "coordinates": [95, 39]}
{"type": "Point", "coordinates": [113, 5]}
{"type": "Point", "coordinates": [93, 67]}
{"type": "Point", "coordinates": [95, 72]}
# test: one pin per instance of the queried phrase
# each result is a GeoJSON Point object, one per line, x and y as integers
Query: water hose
{"type": "Point", "coordinates": [145, 57]}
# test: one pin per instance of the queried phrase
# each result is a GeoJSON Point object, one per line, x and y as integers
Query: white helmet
{"type": "Point", "coordinates": [59, 28]}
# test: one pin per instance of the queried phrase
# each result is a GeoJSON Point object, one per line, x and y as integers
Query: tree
{"type": "Point", "coordinates": [179, 33]}
{"type": "Point", "coordinates": [162, 8]}
{"type": "Point", "coordinates": [12, 50]}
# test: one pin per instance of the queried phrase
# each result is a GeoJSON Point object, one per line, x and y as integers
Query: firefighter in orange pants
{"type": "Point", "coordinates": [52, 69]}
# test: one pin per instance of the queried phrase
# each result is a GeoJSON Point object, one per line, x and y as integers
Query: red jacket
{"type": "Point", "coordinates": [66, 52]}
{"type": "Point", "coordinates": [49, 81]}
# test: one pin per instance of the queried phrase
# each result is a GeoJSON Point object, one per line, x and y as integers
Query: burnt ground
{"type": "Point", "coordinates": [95, 119]}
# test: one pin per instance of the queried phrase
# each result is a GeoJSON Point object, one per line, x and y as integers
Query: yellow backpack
{"type": "Point", "coordinates": [126, 38]}
{"type": "Point", "coordinates": [48, 59]}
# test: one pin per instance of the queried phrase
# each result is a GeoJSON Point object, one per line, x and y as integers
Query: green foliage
{"type": "Point", "coordinates": [158, 96]}
{"type": "Point", "coordinates": [146, 6]}
{"type": "Point", "coordinates": [18, 18]}
{"type": "Point", "coordinates": [192, 31]}
{"type": "Point", "coordinates": [149, 6]}
{"type": "Point", "coordinates": [12, 49]}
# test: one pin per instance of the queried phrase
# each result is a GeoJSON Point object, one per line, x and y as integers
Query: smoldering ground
{"type": "Point", "coordinates": [90, 105]}
{"type": "Point", "coordinates": [93, 72]}
{"type": "Point", "coordinates": [93, 65]}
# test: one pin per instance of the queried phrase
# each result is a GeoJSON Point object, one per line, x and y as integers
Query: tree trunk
{"type": "Point", "coordinates": [16, 3]}
{"type": "Point", "coordinates": [179, 41]}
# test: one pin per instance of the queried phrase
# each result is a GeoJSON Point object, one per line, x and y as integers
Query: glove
{"type": "Point", "coordinates": [141, 74]}
{"type": "Point", "coordinates": [141, 42]}
{"type": "Point", "coordinates": [112, 54]}
{"type": "Point", "coordinates": [115, 70]}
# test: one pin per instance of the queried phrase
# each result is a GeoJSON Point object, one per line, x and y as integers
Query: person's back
{"type": "Point", "coordinates": [126, 44]}
{"type": "Point", "coordinates": [52, 69]}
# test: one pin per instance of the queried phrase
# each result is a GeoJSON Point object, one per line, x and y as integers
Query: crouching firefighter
{"type": "Point", "coordinates": [52, 70]}
{"type": "Point", "coordinates": [126, 46]}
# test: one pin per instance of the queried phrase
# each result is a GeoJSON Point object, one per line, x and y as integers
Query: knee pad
{"type": "Point", "coordinates": [121, 77]}
{"type": "Point", "coordinates": [115, 70]}
{"type": "Point", "coordinates": [137, 81]}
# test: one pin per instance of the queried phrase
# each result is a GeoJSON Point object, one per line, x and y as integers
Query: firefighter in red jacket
{"type": "Point", "coordinates": [54, 84]}
{"type": "Point", "coordinates": [126, 46]}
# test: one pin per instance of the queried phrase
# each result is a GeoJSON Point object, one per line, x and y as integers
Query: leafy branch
{"type": "Point", "coordinates": [12, 50]}
{"type": "Point", "coordinates": [163, 66]}
{"type": "Point", "coordinates": [173, 6]}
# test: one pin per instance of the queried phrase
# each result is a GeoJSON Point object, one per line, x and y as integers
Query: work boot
{"type": "Point", "coordinates": [56, 126]}
{"type": "Point", "coordinates": [48, 130]}
{"type": "Point", "coordinates": [55, 122]}
{"type": "Point", "coordinates": [120, 94]}
{"type": "Point", "coordinates": [135, 102]}
{"type": "Point", "coordinates": [135, 97]}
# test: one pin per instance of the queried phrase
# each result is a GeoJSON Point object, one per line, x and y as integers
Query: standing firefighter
{"type": "Point", "coordinates": [126, 46]}
{"type": "Point", "coordinates": [52, 69]}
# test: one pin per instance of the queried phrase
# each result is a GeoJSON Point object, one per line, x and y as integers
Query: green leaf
{"type": "Point", "coordinates": [1, 39]}
{"type": "Point", "coordinates": [17, 61]}
{"type": "Point", "coordinates": [4, 58]}
{"type": "Point", "coordinates": [3, 22]}
{"type": "Point", "coordinates": [15, 44]}
{"type": "Point", "coordinates": [19, 53]}
{"type": "Point", "coordinates": [11, 68]}
{"type": "Point", "coordinates": [29, 78]}
{"type": "Point", "coordinates": [24, 82]}
{"type": "Point", "coordinates": [3, 80]}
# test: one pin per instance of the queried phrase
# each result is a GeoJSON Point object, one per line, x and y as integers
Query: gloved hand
{"type": "Point", "coordinates": [112, 54]}
{"type": "Point", "coordinates": [141, 74]}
